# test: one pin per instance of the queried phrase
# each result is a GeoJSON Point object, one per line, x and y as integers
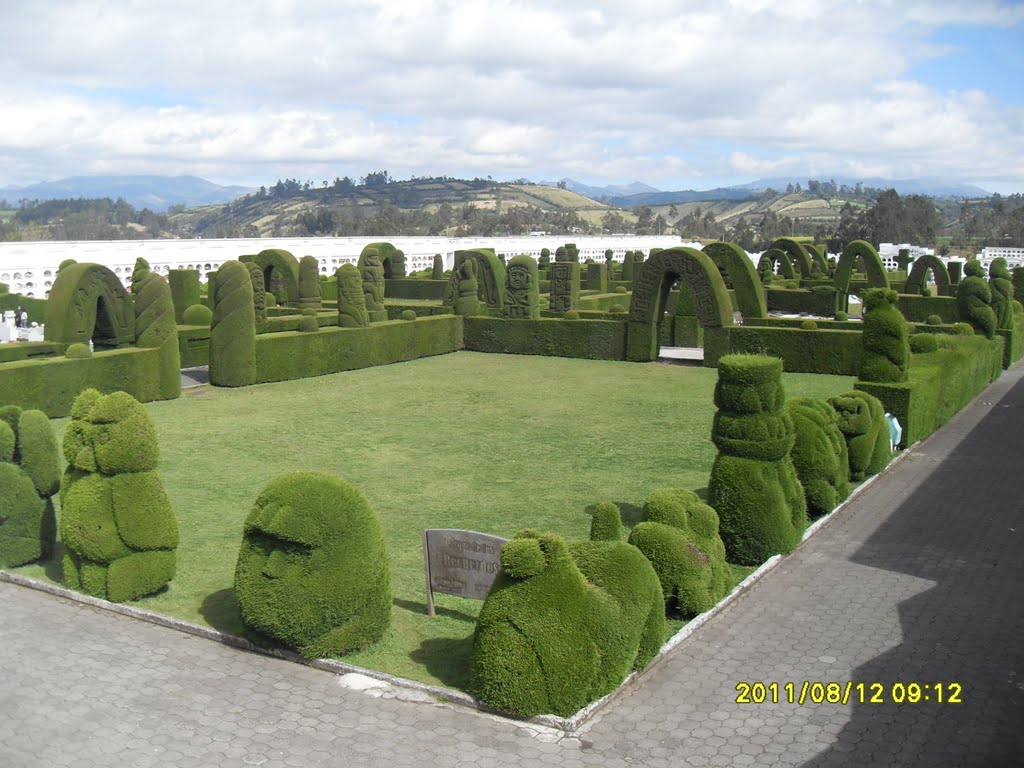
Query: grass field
{"type": "Point", "coordinates": [492, 443]}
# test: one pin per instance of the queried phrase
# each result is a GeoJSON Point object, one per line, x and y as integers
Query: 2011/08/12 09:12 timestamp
{"type": "Point", "coordinates": [849, 692]}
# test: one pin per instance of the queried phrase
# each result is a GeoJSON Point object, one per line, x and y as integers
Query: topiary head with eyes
{"type": "Point", "coordinates": [110, 434]}
{"type": "Point", "coordinates": [312, 571]}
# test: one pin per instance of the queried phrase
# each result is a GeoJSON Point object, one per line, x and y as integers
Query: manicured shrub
{"type": "Point", "coordinates": [371, 269]}
{"type": "Point", "coordinates": [233, 332]}
{"type": "Point", "coordinates": [437, 271]}
{"type": "Point", "coordinates": [351, 299]}
{"type": "Point", "coordinates": [679, 535]}
{"type": "Point", "coordinates": [521, 299]}
{"type": "Point", "coordinates": [974, 300]}
{"type": "Point", "coordinates": [1018, 308]}
{"type": "Point", "coordinates": [185, 290]}
{"type": "Point", "coordinates": [563, 625]}
{"type": "Point", "coordinates": [933, 320]}
{"type": "Point", "coordinates": [1001, 285]}
{"type": "Point", "coordinates": [963, 329]}
{"type": "Point", "coordinates": [922, 343]}
{"type": "Point", "coordinates": [312, 570]}
{"type": "Point", "coordinates": [259, 291]}
{"type": "Point", "coordinates": [408, 314]}
{"type": "Point", "coordinates": [467, 302]}
{"type": "Point", "coordinates": [270, 299]}
{"type": "Point", "coordinates": [77, 351]}
{"type": "Point", "coordinates": [819, 454]}
{"type": "Point", "coordinates": [862, 421]}
{"type": "Point", "coordinates": [117, 524]}
{"type": "Point", "coordinates": [308, 311]}
{"type": "Point", "coordinates": [29, 478]}
{"type": "Point", "coordinates": [572, 314]}
{"type": "Point", "coordinates": [841, 316]}
{"type": "Point", "coordinates": [309, 282]}
{"type": "Point", "coordinates": [308, 324]}
{"type": "Point", "coordinates": [139, 273]}
{"type": "Point", "coordinates": [808, 325]}
{"type": "Point", "coordinates": [65, 263]}
{"type": "Point", "coordinates": [616, 309]}
{"type": "Point", "coordinates": [619, 289]}
{"type": "Point", "coordinates": [885, 338]}
{"type": "Point", "coordinates": [545, 258]}
{"type": "Point", "coordinates": [753, 484]}
{"type": "Point", "coordinates": [197, 314]}
{"type": "Point", "coordinates": [628, 265]}
{"type": "Point", "coordinates": [606, 524]}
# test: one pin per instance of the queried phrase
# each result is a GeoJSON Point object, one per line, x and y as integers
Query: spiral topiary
{"type": "Point", "coordinates": [563, 625]}
{"type": "Point", "coordinates": [861, 419]}
{"type": "Point", "coordinates": [233, 331]}
{"type": "Point", "coordinates": [29, 478]}
{"type": "Point", "coordinates": [116, 522]}
{"type": "Point", "coordinates": [922, 343]}
{"type": "Point", "coordinates": [679, 535]}
{"type": "Point", "coordinates": [974, 299]}
{"type": "Point", "coordinates": [819, 454]}
{"type": "Point", "coordinates": [1001, 285]}
{"type": "Point", "coordinates": [77, 351]}
{"type": "Point", "coordinates": [753, 484]}
{"type": "Point", "coordinates": [197, 314]}
{"type": "Point", "coordinates": [885, 342]}
{"type": "Point", "coordinates": [312, 570]}
{"type": "Point", "coordinates": [139, 273]}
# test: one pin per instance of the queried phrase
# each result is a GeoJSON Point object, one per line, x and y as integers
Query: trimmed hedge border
{"type": "Point", "coordinates": [917, 309]}
{"type": "Point", "coordinates": [819, 351]}
{"type": "Point", "coordinates": [414, 288]}
{"type": "Point", "coordinates": [588, 339]}
{"type": "Point", "coordinates": [798, 300]}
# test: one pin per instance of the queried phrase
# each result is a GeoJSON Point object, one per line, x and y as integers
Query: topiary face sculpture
{"type": "Point", "coordinates": [312, 571]}
{"type": "Point", "coordinates": [861, 419]}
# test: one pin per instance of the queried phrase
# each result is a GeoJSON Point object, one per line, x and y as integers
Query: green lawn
{"type": "Point", "coordinates": [493, 443]}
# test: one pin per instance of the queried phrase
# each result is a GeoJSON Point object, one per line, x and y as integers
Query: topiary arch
{"type": "Point", "coordinates": [651, 285]}
{"type": "Point", "coordinates": [491, 277]}
{"type": "Point", "coordinates": [87, 302]}
{"type": "Point", "coordinates": [798, 255]}
{"type": "Point", "coordinates": [918, 273]}
{"type": "Point", "coordinates": [873, 266]}
{"type": "Point", "coordinates": [750, 300]}
{"type": "Point", "coordinates": [778, 256]}
{"type": "Point", "coordinates": [287, 267]}
{"type": "Point", "coordinates": [392, 259]}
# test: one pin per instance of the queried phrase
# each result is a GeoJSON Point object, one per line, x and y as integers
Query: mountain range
{"type": "Point", "coordinates": [158, 193]}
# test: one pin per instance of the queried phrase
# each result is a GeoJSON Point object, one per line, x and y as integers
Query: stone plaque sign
{"type": "Point", "coordinates": [458, 562]}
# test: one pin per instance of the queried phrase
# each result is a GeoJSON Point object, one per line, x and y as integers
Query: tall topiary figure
{"type": "Point", "coordinates": [467, 302]}
{"type": "Point", "coordinates": [116, 522]}
{"type": "Point", "coordinates": [545, 258]}
{"type": "Point", "coordinates": [974, 300]}
{"type": "Point", "coordinates": [139, 274]}
{"type": "Point", "coordinates": [157, 327]}
{"type": "Point", "coordinates": [29, 477]}
{"type": "Point", "coordinates": [885, 339]}
{"type": "Point", "coordinates": [628, 266]}
{"type": "Point", "coordinates": [309, 282]}
{"type": "Point", "coordinates": [259, 291]}
{"type": "Point", "coordinates": [1001, 286]}
{"type": "Point", "coordinates": [819, 454]}
{"type": "Point", "coordinates": [861, 419]}
{"type": "Point", "coordinates": [185, 290]}
{"type": "Point", "coordinates": [312, 570]}
{"type": "Point", "coordinates": [679, 535]}
{"type": "Point", "coordinates": [373, 285]}
{"type": "Point", "coordinates": [233, 334]}
{"type": "Point", "coordinates": [437, 271]}
{"type": "Point", "coordinates": [522, 291]}
{"type": "Point", "coordinates": [563, 625]}
{"type": "Point", "coordinates": [351, 299]}
{"type": "Point", "coordinates": [753, 484]}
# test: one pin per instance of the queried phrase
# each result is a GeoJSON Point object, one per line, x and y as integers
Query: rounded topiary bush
{"type": "Point", "coordinates": [270, 300]}
{"type": "Point", "coordinates": [753, 484]}
{"type": "Point", "coordinates": [885, 342]}
{"type": "Point", "coordinates": [308, 324]}
{"type": "Point", "coordinates": [861, 419]}
{"type": "Point", "coordinates": [117, 524]}
{"type": "Point", "coordinates": [933, 320]}
{"type": "Point", "coordinates": [572, 314]}
{"type": "Point", "coordinates": [808, 325]}
{"type": "Point", "coordinates": [77, 351]}
{"type": "Point", "coordinates": [308, 312]}
{"type": "Point", "coordinates": [616, 309]}
{"type": "Point", "coordinates": [819, 454]}
{"type": "Point", "coordinates": [922, 343]}
{"type": "Point", "coordinates": [679, 535]}
{"type": "Point", "coordinates": [197, 314]}
{"type": "Point", "coordinates": [408, 314]}
{"type": "Point", "coordinates": [963, 329]}
{"type": "Point", "coordinates": [841, 316]}
{"type": "Point", "coordinates": [312, 570]}
{"type": "Point", "coordinates": [1018, 308]}
{"type": "Point", "coordinates": [563, 625]}
{"type": "Point", "coordinates": [619, 289]}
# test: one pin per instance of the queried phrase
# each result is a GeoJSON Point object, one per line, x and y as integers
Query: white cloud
{"type": "Point", "coordinates": [674, 93]}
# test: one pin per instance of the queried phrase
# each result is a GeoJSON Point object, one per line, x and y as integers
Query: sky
{"type": "Point", "coordinates": [678, 94]}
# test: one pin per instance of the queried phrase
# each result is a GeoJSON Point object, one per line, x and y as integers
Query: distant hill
{"type": "Point", "coordinates": [609, 193]}
{"type": "Point", "coordinates": [929, 187]}
{"type": "Point", "coordinates": [158, 193]}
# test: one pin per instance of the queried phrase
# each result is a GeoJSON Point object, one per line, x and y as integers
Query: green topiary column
{"type": "Point", "coordinates": [185, 290]}
{"type": "Point", "coordinates": [259, 292]}
{"type": "Point", "coordinates": [885, 339]}
{"type": "Point", "coordinates": [467, 302]}
{"type": "Point", "coordinates": [116, 522]}
{"type": "Point", "coordinates": [974, 300]}
{"type": "Point", "coordinates": [139, 273]}
{"type": "Point", "coordinates": [1001, 286]}
{"type": "Point", "coordinates": [753, 484]}
{"type": "Point", "coordinates": [29, 478]}
{"type": "Point", "coordinates": [309, 283]}
{"type": "Point", "coordinates": [233, 333]}
{"type": "Point", "coordinates": [627, 266]}
{"type": "Point", "coordinates": [351, 300]}
{"type": "Point", "coordinates": [312, 570]}
{"type": "Point", "coordinates": [156, 327]}
{"type": "Point", "coordinates": [437, 271]}
{"type": "Point", "coordinates": [373, 285]}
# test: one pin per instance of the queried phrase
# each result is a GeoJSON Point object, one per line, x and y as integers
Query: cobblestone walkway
{"type": "Point", "coordinates": [920, 579]}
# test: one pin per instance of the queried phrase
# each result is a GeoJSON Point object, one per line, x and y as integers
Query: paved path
{"type": "Point", "coordinates": [920, 579]}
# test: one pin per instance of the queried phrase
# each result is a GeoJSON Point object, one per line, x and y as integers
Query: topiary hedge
{"type": "Point", "coordinates": [77, 351]}
{"type": "Point", "coordinates": [116, 522]}
{"type": "Point", "coordinates": [923, 343]}
{"type": "Point", "coordinates": [886, 354]}
{"type": "Point", "coordinates": [562, 626]}
{"type": "Point", "coordinates": [861, 419]}
{"type": "Point", "coordinates": [1001, 286]}
{"type": "Point", "coordinates": [590, 339]}
{"type": "Point", "coordinates": [29, 478]}
{"type": "Point", "coordinates": [233, 332]}
{"type": "Point", "coordinates": [819, 454]}
{"type": "Point", "coordinates": [974, 300]}
{"type": "Point", "coordinates": [312, 570]}
{"type": "Point", "coordinates": [824, 350]}
{"type": "Point", "coordinates": [185, 290]}
{"type": "Point", "coordinates": [679, 535]}
{"type": "Point", "coordinates": [753, 484]}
